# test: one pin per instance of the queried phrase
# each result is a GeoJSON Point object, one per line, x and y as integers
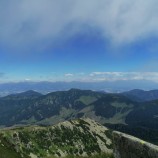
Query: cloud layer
{"type": "Point", "coordinates": [114, 76]}
{"type": "Point", "coordinates": [27, 22]}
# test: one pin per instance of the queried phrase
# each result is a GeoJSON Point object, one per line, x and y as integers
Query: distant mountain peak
{"type": "Point", "coordinates": [24, 95]}
{"type": "Point", "coordinates": [30, 93]}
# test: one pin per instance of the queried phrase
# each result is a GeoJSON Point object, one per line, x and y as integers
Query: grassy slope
{"type": "Point", "coordinates": [38, 140]}
{"type": "Point", "coordinates": [8, 153]}
{"type": "Point", "coordinates": [103, 155]}
{"type": "Point", "coordinates": [7, 150]}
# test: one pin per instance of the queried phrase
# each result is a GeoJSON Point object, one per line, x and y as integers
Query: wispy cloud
{"type": "Point", "coordinates": [113, 76]}
{"type": "Point", "coordinates": [97, 76]}
{"type": "Point", "coordinates": [107, 73]}
{"type": "Point", "coordinates": [27, 22]}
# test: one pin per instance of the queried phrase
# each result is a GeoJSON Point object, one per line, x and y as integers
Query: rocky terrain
{"type": "Point", "coordinates": [126, 146]}
{"type": "Point", "coordinates": [82, 137]}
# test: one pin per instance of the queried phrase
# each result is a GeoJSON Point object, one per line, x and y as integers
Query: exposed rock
{"type": "Point", "coordinates": [126, 146]}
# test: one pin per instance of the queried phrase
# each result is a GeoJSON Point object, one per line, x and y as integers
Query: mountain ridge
{"type": "Point", "coordinates": [24, 95]}
{"type": "Point", "coordinates": [72, 139]}
{"type": "Point", "coordinates": [82, 137]}
{"type": "Point", "coordinates": [60, 106]}
{"type": "Point", "coordinates": [141, 95]}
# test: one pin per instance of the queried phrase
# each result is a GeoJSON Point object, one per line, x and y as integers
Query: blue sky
{"type": "Point", "coordinates": [78, 40]}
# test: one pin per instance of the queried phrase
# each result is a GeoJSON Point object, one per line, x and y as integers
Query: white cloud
{"type": "Point", "coordinates": [69, 75]}
{"type": "Point", "coordinates": [27, 79]}
{"type": "Point", "coordinates": [29, 22]}
{"type": "Point", "coordinates": [106, 73]}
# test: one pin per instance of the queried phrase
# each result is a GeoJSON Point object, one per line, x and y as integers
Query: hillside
{"type": "Point", "coordinates": [141, 95]}
{"type": "Point", "coordinates": [65, 105]}
{"type": "Point", "coordinates": [82, 137]}
{"type": "Point", "coordinates": [51, 108]}
{"type": "Point", "coordinates": [145, 115]}
{"type": "Point", "coordinates": [113, 109]}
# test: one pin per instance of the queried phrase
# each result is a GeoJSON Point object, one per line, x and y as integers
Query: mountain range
{"type": "Point", "coordinates": [47, 87]}
{"type": "Point", "coordinates": [116, 111]}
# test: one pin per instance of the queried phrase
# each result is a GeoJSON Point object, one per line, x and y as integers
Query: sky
{"type": "Point", "coordinates": [81, 40]}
